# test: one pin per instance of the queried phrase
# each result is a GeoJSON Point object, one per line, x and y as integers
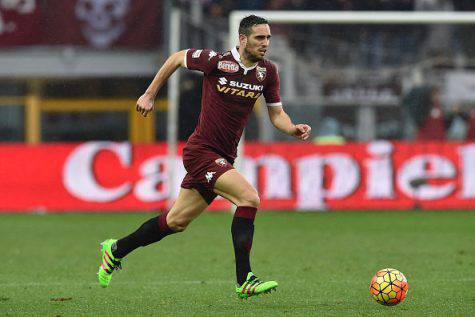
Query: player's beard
{"type": "Point", "coordinates": [254, 58]}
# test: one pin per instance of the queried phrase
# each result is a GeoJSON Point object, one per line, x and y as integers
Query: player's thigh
{"type": "Point", "coordinates": [189, 205]}
{"type": "Point", "coordinates": [233, 186]}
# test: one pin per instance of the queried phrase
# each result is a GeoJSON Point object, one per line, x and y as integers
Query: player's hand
{"type": "Point", "coordinates": [145, 104]}
{"type": "Point", "coordinates": [302, 131]}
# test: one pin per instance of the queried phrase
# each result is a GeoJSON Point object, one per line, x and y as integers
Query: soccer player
{"type": "Point", "coordinates": [232, 83]}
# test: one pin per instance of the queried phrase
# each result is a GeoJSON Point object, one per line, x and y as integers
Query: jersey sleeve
{"type": "Point", "coordinates": [272, 89]}
{"type": "Point", "coordinates": [204, 60]}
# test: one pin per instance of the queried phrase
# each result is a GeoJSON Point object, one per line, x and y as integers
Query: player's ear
{"type": "Point", "coordinates": [242, 40]}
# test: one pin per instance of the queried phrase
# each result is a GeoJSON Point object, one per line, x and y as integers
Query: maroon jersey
{"type": "Point", "coordinates": [229, 93]}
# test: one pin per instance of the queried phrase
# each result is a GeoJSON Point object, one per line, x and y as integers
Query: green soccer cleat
{"type": "Point", "coordinates": [253, 286]}
{"type": "Point", "coordinates": [109, 263]}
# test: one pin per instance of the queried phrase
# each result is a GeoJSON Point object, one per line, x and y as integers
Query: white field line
{"type": "Point", "coordinates": [148, 284]}
{"type": "Point", "coordinates": [454, 280]}
{"type": "Point", "coordinates": [184, 282]}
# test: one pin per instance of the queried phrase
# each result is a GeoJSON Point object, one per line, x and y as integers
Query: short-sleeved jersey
{"type": "Point", "coordinates": [229, 93]}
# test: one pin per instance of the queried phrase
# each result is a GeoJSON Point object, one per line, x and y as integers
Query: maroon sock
{"type": "Point", "coordinates": [242, 230]}
{"type": "Point", "coordinates": [153, 230]}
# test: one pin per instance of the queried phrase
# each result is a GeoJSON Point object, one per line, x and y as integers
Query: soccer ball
{"type": "Point", "coordinates": [388, 287]}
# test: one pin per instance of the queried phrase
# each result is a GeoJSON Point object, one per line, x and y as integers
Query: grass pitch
{"type": "Point", "coordinates": [322, 261]}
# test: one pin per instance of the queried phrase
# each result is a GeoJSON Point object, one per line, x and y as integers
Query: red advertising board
{"type": "Point", "coordinates": [108, 176]}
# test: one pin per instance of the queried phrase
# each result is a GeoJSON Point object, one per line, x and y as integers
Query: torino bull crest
{"type": "Point", "coordinates": [103, 20]}
{"type": "Point", "coordinates": [261, 73]}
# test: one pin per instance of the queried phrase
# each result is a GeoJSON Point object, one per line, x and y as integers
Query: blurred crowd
{"type": "Point", "coordinates": [432, 121]}
{"type": "Point", "coordinates": [365, 46]}
{"type": "Point", "coordinates": [221, 8]}
{"type": "Point", "coordinates": [373, 47]}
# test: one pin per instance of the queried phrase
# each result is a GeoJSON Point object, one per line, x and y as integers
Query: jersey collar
{"type": "Point", "coordinates": [237, 57]}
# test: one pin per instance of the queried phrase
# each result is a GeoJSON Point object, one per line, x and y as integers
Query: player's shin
{"type": "Point", "coordinates": [242, 230]}
{"type": "Point", "coordinates": [153, 230]}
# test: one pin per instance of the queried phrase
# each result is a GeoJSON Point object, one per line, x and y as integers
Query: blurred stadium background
{"type": "Point", "coordinates": [391, 105]}
{"type": "Point", "coordinates": [392, 108]}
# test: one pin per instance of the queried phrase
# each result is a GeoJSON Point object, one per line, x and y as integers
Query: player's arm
{"type": "Point", "coordinates": [146, 102]}
{"type": "Point", "coordinates": [277, 115]}
{"type": "Point", "coordinates": [281, 120]}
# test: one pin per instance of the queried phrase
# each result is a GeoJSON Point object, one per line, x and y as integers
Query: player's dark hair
{"type": "Point", "coordinates": [246, 24]}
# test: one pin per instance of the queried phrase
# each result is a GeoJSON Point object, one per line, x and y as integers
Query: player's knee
{"type": "Point", "coordinates": [255, 201]}
{"type": "Point", "coordinates": [177, 224]}
{"type": "Point", "coordinates": [250, 199]}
